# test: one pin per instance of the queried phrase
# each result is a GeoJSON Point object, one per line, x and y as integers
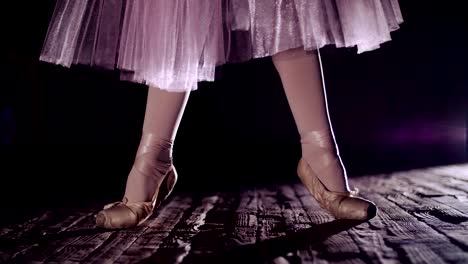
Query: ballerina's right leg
{"type": "Point", "coordinates": [164, 111]}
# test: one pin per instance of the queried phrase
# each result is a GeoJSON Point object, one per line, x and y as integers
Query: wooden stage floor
{"type": "Point", "coordinates": [422, 218]}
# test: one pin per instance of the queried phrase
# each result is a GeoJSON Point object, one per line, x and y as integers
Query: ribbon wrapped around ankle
{"type": "Point", "coordinates": [319, 138]}
{"type": "Point", "coordinates": [147, 162]}
{"type": "Point", "coordinates": [150, 141]}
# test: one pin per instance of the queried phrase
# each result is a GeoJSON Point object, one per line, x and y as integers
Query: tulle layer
{"type": "Point", "coordinates": [175, 44]}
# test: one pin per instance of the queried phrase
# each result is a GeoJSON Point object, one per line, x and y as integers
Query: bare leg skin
{"type": "Point", "coordinates": [301, 76]}
{"type": "Point", "coordinates": [164, 111]}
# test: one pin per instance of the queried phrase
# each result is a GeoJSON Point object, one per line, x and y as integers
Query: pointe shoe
{"type": "Point", "coordinates": [126, 214]}
{"type": "Point", "coordinates": [343, 205]}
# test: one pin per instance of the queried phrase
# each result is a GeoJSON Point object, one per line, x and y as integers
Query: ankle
{"type": "Point", "coordinates": [321, 153]}
{"type": "Point", "coordinates": [322, 139]}
{"type": "Point", "coordinates": [151, 141]}
{"type": "Point", "coordinates": [154, 154]}
{"type": "Point", "coordinates": [153, 164]}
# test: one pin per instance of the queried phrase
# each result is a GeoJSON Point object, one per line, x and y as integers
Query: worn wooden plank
{"type": "Point", "coordinates": [445, 217]}
{"type": "Point", "coordinates": [247, 229]}
{"type": "Point", "coordinates": [410, 238]}
{"type": "Point", "coordinates": [297, 224]}
{"type": "Point", "coordinates": [316, 214]}
{"type": "Point", "coordinates": [295, 215]}
{"type": "Point", "coordinates": [454, 183]}
{"type": "Point", "coordinates": [56, 236]}
{"type": "Point", "coordinates": [455, 171]}
{"type": "Point", "coordinates": [367, 236]}
{"type": "Point", "coordinates": [246, 222]}
{"type": "Point", "coordinates": [283, 217]}
{"type": "Point", "coordinates": [421, 253]}
{"type": "Point", "coordinates": [177, 245]}
{"type": "Point", "coordinates": [423, 217]}
{"type": "Point", "coordinates": [433, 182]}
{"type": "Point", "coordinates": [223, 230]}
{"type": "Point", "coordinates": [338, 244]}
{"type": "Point", "coordinates": [446, 220]}
{"type": "Point", "coordinates": [301, 238]}
{"type": "Point", "coordinates": [270, 216]}
{"type": "Point", "coordinates": [49, 222]}
{"type": "Point", "coordinates": [150, 237]}
{"type": "Point", "coordinates": [16, 238]}
{"type": "Point", "coordinates": [370, 236]}
{"type": "Point", "coordinates": [104, 246]}
{"type": "Point", "coordinates": [458, 202]}
{"type": "Point", "coordinates": [241, 219]}
{"type": "Point", "coordinates": [426, 193]}
{"type": "Point", "coordinates": [166, 217]}
{"type": "Point", "coordinates": [451, 213]}
{"type": "Point", "coordinates": [80, 248]}
{"type": "Point", "coordinates": [255, 238]}
{"type": "Point", "coordinates": [447, 179]}
{"type": "Point", "coordinates": [17, 230]}
{"type": "Point", "coordinates": [412, 235]}
{"type": "Point", "coordinates": [408, 183]}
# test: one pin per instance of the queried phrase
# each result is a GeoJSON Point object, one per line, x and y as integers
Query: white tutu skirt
{"type": "Point", "coordinates": [173, 44]}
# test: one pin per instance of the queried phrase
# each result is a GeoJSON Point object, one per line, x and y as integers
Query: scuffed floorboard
{"type": "Point", "coordinates": [422, 218]}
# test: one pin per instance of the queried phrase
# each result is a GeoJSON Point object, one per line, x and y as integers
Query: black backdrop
{"type": "Point", "coordinates": [70, 135]}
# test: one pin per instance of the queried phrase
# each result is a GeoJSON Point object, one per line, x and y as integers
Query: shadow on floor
{"type": "Point", "coordinates": [261, 252]}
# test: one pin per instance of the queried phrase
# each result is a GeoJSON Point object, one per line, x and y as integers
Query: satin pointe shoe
{"type": "Point", "coordinates": [342, 205]}
{"type": "Point", "coordinates": [124, 214]}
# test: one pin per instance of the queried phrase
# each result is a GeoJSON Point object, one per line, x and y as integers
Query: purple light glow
{"type": "Point", "coordinates": [427, 134]}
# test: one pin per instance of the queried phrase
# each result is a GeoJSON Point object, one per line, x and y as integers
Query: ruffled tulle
{"type": "Point", "coordinates": [266, 29]}
{"type": "Point", "coordinates": [174, 44]}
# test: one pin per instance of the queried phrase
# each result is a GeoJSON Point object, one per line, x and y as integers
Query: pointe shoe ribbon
{"type": "Point", "coordinates": [343, 205]}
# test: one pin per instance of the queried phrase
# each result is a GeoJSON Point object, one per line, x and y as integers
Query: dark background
{"type": "Point", "coordinates": [69, 136]}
